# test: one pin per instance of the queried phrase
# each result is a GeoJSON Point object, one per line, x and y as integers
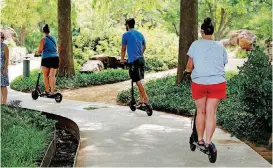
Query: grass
{"type": "Point", "coordinates": [25, 136]}
{"type": "Point", "coordinates": [241, 54]}
{"type": "Point", "coordinates": [94, 107]}
{"type": "Point", "coordinates": [231, 48]}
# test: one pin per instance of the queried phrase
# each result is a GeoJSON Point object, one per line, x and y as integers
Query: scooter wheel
{"type": "Point", "coordinates": [132, 106]}
{"type": "Point", "coordinates": [192, 146]}
{"type": "Point", "coordinates": [212, 156]}
{"type": "Point", "coordinates": [34, 95]}
{"type": "Point", "coordinates": [149, 112]}
{"type": "Point", "coordinates": [58, 97]}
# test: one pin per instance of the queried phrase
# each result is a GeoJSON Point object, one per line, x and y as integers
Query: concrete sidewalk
{"type": "Point", "coordinates": [114, 136]}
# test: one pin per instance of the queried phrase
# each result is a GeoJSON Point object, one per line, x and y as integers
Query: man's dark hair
{"type": "Point", "coordinates": [46, 29]}
{"type": "Point", "coordinates": [131, 23]}
{"type": "Point", "coordinates": [207, 27]}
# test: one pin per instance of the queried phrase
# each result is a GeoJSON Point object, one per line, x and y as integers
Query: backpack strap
{"type": "Point", "coordinates": [51, 40]}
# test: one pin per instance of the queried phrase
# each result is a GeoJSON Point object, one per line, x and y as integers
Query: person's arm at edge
{"type": "Point", "coordinates": [190, 65]}
{"type": "Point", "coordinates": [41, 46]}
{"type": "Point", "coordinates": [143, 45]}
{"type": "Point", "coordinates": [123, 51]}
{"type": "Point", "coordinates": [6, 50]}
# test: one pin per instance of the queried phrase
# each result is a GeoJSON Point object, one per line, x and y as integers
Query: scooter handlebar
{"type": "Point", "coordinates": [37, 55]}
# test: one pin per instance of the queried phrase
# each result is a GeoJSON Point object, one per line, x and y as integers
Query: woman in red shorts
{"type": "Point", "coordinates": [207, 59]}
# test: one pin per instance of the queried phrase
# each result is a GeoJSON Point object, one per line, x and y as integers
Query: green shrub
{"type": "Point", "coordinates": [172, 98]}
{"type": "Point", "coordinates": [79, 80]}
{"type": "Point", "coordinates": [256, 86]}
{"type": "Point", "coordinates": [241, 54]}
{"type": "Point", "coordinates": [247, 112]}
{"type": "Point", "coordinates": [240, 123]}
{"type": "Point", "coordinates": [154, 64]}
{"type": "Point", "coordinates": [25, 135]}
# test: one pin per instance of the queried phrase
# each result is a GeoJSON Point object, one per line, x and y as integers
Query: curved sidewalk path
{"type": "Point", "coordinates": [114, 136]}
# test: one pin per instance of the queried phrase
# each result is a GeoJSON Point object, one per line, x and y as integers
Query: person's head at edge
{"type": "Point", "coordinates": [46, 29]}
{"type": "Point", "coordinates": [130, 24]}
{"type": "Point", "coordinates": [207, 29]}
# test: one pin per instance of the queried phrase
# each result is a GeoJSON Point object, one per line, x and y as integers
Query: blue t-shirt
{"type": "Point", "coordinates": [209, 59]}
{"type": "Point", "coordinates": [134, 41]}
{"type": "Point", "coordinates": [50, 48]}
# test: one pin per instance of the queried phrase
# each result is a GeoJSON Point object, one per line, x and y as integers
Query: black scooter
{"type": "Point", "coordinates": [194, 144]}
{"type": "Point", "coordinates": [212, 155]}
{"type": "Point", "coordinates": [133, 103]}
{"type": "Point", "coordinates": [38, 93]}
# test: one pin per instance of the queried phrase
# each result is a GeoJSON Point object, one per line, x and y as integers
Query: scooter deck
{"type": "Point", "coordinates": [142, 108]}
{"type": "Point", "coordinates": [201, 148]}
{"type": "Point", "coordinates": [48, 96]}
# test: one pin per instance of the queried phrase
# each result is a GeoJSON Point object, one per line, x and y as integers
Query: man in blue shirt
{"type": "Point", "coordinates": [135, 44]}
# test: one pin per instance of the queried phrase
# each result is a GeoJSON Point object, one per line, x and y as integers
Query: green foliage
{"type": "Point", "coordinates": [257, 18]}
{"type": "Point", "coordinates": [241, 54]}
{"type": "Point", "coordinates": [25, 135]}
{"type": "Point", "coordinates": [79, 80]}
{"type": "Point", "coordinates": [32, 41]}
{"type": "Point", "coordinates": [172, 98]}
{"type": "Point", "coordinates": [256, 86]}
{"type": "Point", "coordinates": [247, 112]}
{"type": "Point", "coordinates": [262, 23]}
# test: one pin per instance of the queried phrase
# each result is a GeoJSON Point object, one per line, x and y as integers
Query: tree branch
{"type": "Point", "coordinates": [225, 25]}
{"type": "Point", "coordinates": [210, 9]}
{"type": "Point", "coordinates": [223, 17]}
{"type": "Point", "coordinates": [177, 33]}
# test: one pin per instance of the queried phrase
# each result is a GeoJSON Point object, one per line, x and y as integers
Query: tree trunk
{"type": "Point", "coordinates": [22, 36]}
{"type": "Point", "coordinates": [66, 67]}
{"type": "Point", "coordinates": [188, 33]}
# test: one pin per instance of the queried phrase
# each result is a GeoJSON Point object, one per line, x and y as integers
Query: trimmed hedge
{"type": "Point", "coordinates": [79, 80]}
{"type": "Point", "coordinates": [25, 135]}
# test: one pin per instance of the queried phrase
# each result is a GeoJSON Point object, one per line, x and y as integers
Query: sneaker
{"type": "Point", "coordinates": [139, 104]}
{"type": "Point", "coordinates": [148, 105]}
{"type": "Point", "coordinates": [211, 147]}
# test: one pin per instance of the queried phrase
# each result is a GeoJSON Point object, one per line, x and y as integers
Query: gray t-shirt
{"type": "Point", "coordinates": [209, 59]}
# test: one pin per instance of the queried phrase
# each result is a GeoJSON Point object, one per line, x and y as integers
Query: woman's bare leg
{"type": "Point", "coordinates": [211, 108]}
{"type": "Point", "coordinates": [4, 94]}
{"type": "Point", "coordinates": [46, 79]}
{"type": "Point", "coordinates": [52, 79]}
{"type": "Point", "coordinates": [201, 117]}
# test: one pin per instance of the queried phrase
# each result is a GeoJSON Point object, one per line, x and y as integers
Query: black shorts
{"type": "Point", "coordinates": [136, 69]}
{"type": "Point", "coordinates": [50, 62]}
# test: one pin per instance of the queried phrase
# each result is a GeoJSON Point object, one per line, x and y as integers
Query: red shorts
{"type": "Point", "coordinates": [217, 91]}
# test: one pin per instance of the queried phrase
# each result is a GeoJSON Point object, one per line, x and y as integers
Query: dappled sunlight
{"type": "Point", "coordinates": [175, 117]}
{"type": "Point", "coordinates": [149, 128]}
{"type": "Point", "coordinates": [92, 127]}
{"type": "Point", "coordinates": [126, 139]}
{"type": "Point", "coordinates": [94, 150]}
{"type": "Point", "coordinates": [110, 141]}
